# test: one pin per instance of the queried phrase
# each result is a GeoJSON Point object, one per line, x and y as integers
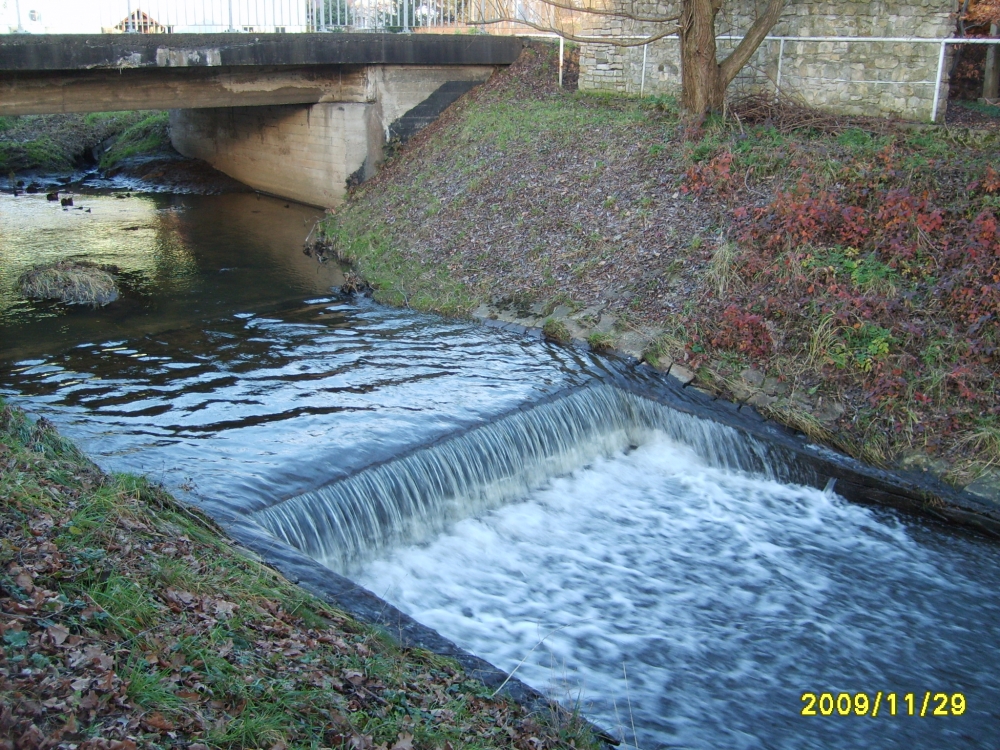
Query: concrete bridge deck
{"type": "Point", "coordinates": [53, 73]}
{"type": "Point", "coordinates": [296, 115]}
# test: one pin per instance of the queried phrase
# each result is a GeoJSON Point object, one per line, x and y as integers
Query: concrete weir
{"type": "Point", "coordinates": [296, 115]}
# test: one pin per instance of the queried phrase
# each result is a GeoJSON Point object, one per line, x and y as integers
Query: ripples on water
{"type": "Point", "coordinates": [724, 596]}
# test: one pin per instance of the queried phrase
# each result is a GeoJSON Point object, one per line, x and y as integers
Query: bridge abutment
{"type": "Point", "coordinates": [312, 152]}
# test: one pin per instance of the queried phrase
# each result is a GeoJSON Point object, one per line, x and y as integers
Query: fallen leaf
{"type": "Point", "coordinates": [403, 742]}
{"type": "Point", "coordinates": [58, 634]}
{"type": "Point", "coordinates": [158, 721]}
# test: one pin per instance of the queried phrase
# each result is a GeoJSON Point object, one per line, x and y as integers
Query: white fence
{"type": "Point", "coordinates": [250, 16]}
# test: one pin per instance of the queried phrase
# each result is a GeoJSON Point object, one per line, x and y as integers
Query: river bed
{"type": "Point", "coordinates": [678, 603]}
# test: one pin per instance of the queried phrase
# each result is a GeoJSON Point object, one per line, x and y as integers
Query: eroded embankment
{"type": "Point", "coordinates": [840, 277]}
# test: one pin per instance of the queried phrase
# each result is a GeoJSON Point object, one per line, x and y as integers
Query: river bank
{"type": "Point", "coordinates": [129, 620]}
{"type": "Point", "coordinates": [838, 276]}
{"type": "Point", "coordinates": [125, 150]}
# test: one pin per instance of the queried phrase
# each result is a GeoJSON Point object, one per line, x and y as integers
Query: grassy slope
{"type": "Point", "coordinates": [126, 620]}
{"type": "Point", "coordinates": [52, 143]}
{"type": "Point", "coordinates": [821, 272]}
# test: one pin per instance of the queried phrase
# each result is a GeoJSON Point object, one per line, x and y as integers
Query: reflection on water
{"type": "Point", "coordinates": [181, 259]}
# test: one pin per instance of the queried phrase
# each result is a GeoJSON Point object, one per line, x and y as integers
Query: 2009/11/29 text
{"type": "Point", "coordinates": [883, 704]}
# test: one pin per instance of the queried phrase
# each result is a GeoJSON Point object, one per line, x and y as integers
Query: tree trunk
{"type": "Point", "coordinates": [991, 77]}
{"type": "Point", "coordinates": [702, 86]}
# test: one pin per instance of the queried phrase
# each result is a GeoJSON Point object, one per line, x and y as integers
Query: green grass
{"type": "Point", "coordinates": [181, 638]}
{"type": "Point", "coordinates": [147, 136]}
{"type": "Point", "coordinates": [990, 110]}
{"type": "Point", "coordinates": [363, 242]}
{"type": "Point", "coordinates": [556, 330]}
{"type": "Point", "coordinates": [601, 342]}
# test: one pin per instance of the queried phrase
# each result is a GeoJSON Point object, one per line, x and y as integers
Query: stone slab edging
{"type": "Point", "coordinates": [793, 455]}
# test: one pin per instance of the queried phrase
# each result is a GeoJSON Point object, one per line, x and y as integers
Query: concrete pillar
{"type": "Point", "coordinates": [308, 153]}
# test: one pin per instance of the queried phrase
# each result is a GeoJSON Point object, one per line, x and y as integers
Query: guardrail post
{"type": "Point", "coordinates": [406, 16]}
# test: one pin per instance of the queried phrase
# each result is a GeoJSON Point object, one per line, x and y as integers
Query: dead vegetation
{"type": "Point", "coordinates": [72, 282]}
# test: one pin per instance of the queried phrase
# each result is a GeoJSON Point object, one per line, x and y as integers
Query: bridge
{"type": "Point", "coordinates": [295, 115]}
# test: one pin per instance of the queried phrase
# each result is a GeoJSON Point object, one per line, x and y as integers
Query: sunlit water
{"type": "Point", "coordinates": [722, 597]}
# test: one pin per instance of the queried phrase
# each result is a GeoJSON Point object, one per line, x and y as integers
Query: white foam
{"type": "Point", "coordinates": [725, 596]}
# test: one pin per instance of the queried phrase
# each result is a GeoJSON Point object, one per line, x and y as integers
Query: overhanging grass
{"type": "Point", "coordinates": [147, 136]}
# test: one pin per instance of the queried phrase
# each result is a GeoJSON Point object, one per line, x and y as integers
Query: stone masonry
{"type": "Point", "coordinates": [855, 78]}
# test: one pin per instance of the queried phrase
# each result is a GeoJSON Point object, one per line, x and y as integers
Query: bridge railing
{"type": "Point", "coordinates": [264, 16]}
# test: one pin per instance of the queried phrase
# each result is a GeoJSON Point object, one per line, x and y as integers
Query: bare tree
{"type": "Point", "coordinates": [704, 78]}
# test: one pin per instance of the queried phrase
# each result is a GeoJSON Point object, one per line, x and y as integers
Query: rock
{"type": "Point", "coordinates": [827, 410]}
{"type": "Point", "coordinates": [987, 487]}
{"type": "Point", "coordinates": [606, 324]}
{"type": "Point", "coordinates": [681, 373]}
{"type": "Point", "coordinates": [774, 387]}
{"type": "Point", "coordinates": [53, 196]}
{"type": "Point", "coordinates": [752, 377]}
{"type": "Point", "coordinates": [761, 400]}
{"type": "Point", "coordinates": [66, 201]}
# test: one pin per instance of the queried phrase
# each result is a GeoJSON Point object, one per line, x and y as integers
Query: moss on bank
{"type": "Point", "coordinates": [128, 620]}
{"type": "Point", "coordinates": [58, 143]}
{"type": "Point", "coordinates": [838, 276]}
{"type": "Point", "coordinates": [147, 136]}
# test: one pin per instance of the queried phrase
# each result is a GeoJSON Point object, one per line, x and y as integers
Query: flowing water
{"type": "Point", "coordinates": [642, 563]}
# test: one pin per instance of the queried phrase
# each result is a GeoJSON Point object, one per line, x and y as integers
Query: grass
{"type": "Point", "coordinates": [556, 330]}
{"type": "Point", "coordinates": [147, 136]}
{"type": "Point", "coordinates": [601, 342]}
{"type": "Point", "coordinates": [128, 618]}
{"type": "Point", "coordinates": [70, 282]}
{"type": "Point", "coordinates": [59, 143]}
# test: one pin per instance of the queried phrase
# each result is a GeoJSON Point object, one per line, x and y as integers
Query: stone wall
{"type": "Point", "coordinates": [857, 78]}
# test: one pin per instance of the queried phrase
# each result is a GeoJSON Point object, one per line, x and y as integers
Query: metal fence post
{"type": "Point", "coordinates": [561, 57]}
{"type": "Point", "coordinates": [642, 76]}
{"type": "Point", "coordinates": [937, 83]}
{"type": "Point", "coordinates": [777, 78]}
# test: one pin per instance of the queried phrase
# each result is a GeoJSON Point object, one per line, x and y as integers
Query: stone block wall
{"type": "Point", "coordinates": [857, 77]}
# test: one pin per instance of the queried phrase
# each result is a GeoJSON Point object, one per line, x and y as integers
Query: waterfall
{"type": "Point", "coordinates": [412, 497]}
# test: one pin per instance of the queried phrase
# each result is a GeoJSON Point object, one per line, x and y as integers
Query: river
{"type": "Point", "coordinates": [497, 488]}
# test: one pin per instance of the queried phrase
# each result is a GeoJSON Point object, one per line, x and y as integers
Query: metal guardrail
{"type": "Point", "coordinates": [248, 16]}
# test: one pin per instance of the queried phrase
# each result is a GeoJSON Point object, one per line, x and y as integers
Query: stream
{"type": "Point", "coordinates": [498, 488]}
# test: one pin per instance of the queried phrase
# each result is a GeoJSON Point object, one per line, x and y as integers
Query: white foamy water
{"type": "Point", "coordinates": [724, 597]}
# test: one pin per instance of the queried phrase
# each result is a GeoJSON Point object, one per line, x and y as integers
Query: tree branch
{"type": "Point", "coordinates": [669, 31]}
{"type": "Point", "coordinates": [612, 13]}
{"type": "Point", "coordinates": [740, 56]}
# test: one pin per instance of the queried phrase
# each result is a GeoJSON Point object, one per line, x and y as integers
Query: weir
{"type": "Point", "coordinates": [413, 497]}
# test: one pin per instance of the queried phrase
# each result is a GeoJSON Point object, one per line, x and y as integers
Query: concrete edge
{"type": "Point", "coordinates": [917, 493]}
